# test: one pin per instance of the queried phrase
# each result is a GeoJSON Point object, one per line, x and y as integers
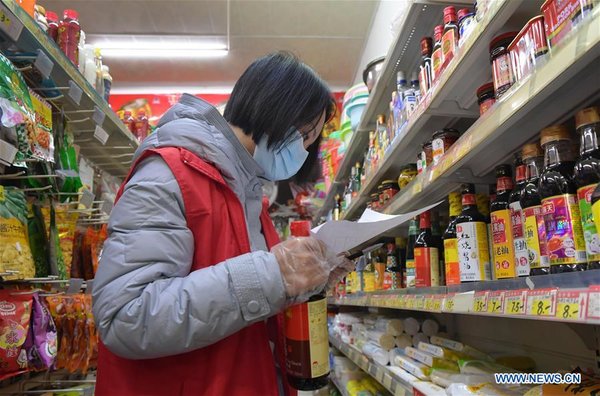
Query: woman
{"type": "Point", "coordinates": [186, 281]}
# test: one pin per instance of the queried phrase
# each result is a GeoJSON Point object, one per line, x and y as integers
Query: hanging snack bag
{"type": "Point", "coordinates": [15, 255]}
{"type": "Point", "coordinates": [41, 344]}
{"type": "Point", "coordinates": [15, 309]}
{"type": "Point", "coordinates": [42, 140]}
{"type": "Point", "coordinates": [38, 240]}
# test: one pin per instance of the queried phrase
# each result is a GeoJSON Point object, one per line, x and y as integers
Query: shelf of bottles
{"type": "Point", "coordinates": [98, 131]}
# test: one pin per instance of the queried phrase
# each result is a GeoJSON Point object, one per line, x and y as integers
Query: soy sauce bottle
{"type": "Point", "coordinates": [450, 35]}
{"type": "Point", "coordinates": [531, 202]}
{"type": "Point", "coordinates": [503, 248]}
{"type": "Point", "coordinates": [587, 176]}
{"type": "Point", "coordinates": [471, 231]}
{"type": "Point", "coordinates": [307, 351]}
{"type": "Point", "coordinates": [437, 57]}
{"type": "Point", "coordinates": [518, 219]}
{"type": "Point", "coordinates": [413, 231]}
{"type": "Point", "coordinates": [451, 262]}
{"type": "Point", "coordinates": [426, 254]}
{"type": "Point", "coordinates": [564, 234]}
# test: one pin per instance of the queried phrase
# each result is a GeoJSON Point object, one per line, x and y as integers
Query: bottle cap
{"type": "Point", "coordinates": [485, 88]}
{"type": "Point", "coordinates": [438, 31]}
{"type": "Point", "coordinates": [426, 45]}
{"type": "Point", "coordinates": [554, 133]}
{"type": "Point", "coordinates": [586, 117]}
{"type": "Point", "coordinates": [400, 76]}
{"type": "Point", "coordinates": [381, 118]}
{"type": "Point", "coordinates": [141, 112]}
{"type": "Point", "coordinates": [127, 113]}
{"type": "Point", "coordinates": [531, 150]}
{"type": "Point", "coordinates": [463, 12]}
{"type": "Point", "coordinates": [502, 40]}
{"type": "Point", "coordinates": [300, 228]}
{"type": "Point", "coordinates": [51, 16]}
{"type": "Point", "coordinates": [449, 14]}
{"type": "Point", "coordinates": [70, 14]}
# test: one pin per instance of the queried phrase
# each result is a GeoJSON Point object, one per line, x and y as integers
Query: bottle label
{"type": "Point", "coordinates": [449, 42]}
{"type": "Point", "coordinates": [501, 71]}
{"type": "Point", "coordinates": [535, 238]}
{"type": "Point", "coordinates": [503, 245]}
{"type": "Point", "coordinates": [410, 273]}
{"type": "Point", "coordinates": [451, 261]}
{"type": "Point", "coordinates": [504, 183]}
{"type": "Point", "coordinates": [306, 339]}
{"type": "Point", "coordinates": [424, 79]}
{"type": "Point", "coordinates": [350, 282]}
{"type": "Point", "coordinates": [454, 200]}
{"type": "Point", "coordinates": [518, 231]}
{"type": "Point", "coordinates": [438, 150]}
{"type": "Point", "coordinates": [473, 251]}
{"type": "Point", "coordinates": [590, 233]}
{"type": "Point", "coordinates": [387, 280]}
{"type": "Point", "coordinates": [427, 266]}
{"type": "Point", "coordinates": [437, 59]}
{"type": "Point", "coordinates": [564, 234]}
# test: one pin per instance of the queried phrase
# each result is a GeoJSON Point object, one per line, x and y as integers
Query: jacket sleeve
{"type": "Point", "coordinates": [146, 302]}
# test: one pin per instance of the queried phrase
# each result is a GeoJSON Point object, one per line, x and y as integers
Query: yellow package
{"type": "Point", "coordinates": [66, 222]}
{"type": "Point", "coordinates": [15, 254]}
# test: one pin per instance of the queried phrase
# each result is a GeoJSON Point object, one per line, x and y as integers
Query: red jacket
{"type": "Point", "coordinates": [241, 364]}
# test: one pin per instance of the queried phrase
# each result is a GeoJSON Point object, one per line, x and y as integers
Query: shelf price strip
{"type": "Point", "coordinates": [514, 302]}
{"type": "Point", "coordinates": [541, 302]}
{"type": "Point", "coordinates": [571, 304]}
{"type": "Point", "coordinates": [480, 301]}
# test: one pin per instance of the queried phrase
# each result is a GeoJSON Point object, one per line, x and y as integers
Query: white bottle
{"type": "Point", "coordinates": [82, 53]}
{"type": "Point", "coordinates": [89, 71]}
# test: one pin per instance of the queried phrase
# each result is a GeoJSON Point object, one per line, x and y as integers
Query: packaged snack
{"type": "Point", "coordinates": [41, 344]}
{"type": "Point", "coordinates": [430, 360]}
{"type": "Point", "coordinates": [15, 254]}
{"type": "Point", "coordinates": [14, 326]}
{"type": "Point", "coordinates": [460, 347]}
{"type": "Point", "coordinates": [38, 240]}
{"type": "Point", "coordinates": [57, 263]}
{"type": "Point", "coordinates": [42, 141]}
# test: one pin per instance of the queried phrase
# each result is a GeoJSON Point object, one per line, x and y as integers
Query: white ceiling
{"type": "Point", "coordinates": [327, 34]}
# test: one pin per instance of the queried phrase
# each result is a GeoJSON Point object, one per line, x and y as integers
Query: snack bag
{"type": "Point", "coordinates": [42, 141]}
{"type": "Point", "coordinates": [38, 240]}
{"type": "Point", "coordinates": [15, 254]}
{"type": "Point", "coordinates": [14, 327]}
{"type": "Point", "coordinates": [41, 344]}
{"type": "Point", "coordinates": [66, 223]}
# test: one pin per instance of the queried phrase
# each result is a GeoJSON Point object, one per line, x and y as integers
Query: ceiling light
{"type": "Point", "coordinates": [136, 53]}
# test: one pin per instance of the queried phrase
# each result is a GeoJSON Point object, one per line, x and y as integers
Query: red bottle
{"type": "Point", "coordinates": [437, 56]}
{"type": "Point", "coordinates": [52, 19]}
{"type": "Point", "coordinates": [69, 31]}
{"type": "Point", "coordinates": [141, 126]}
{"type": "Point", "coordinates": [129, 121]}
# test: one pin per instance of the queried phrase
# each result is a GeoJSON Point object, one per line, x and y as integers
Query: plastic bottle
{"type": "Point", "coordinates": [413, 231]}
{"type": "Point", "coordinates": [451, 263]}
{"type": "Point", "coordinates": [437, 56]}
{"type": "Point", "coordinates": [306, 336]}
{"type": "Point", "coordinates": [518, 220]}
{"type": "Point", "coordinates": [425, 66]}
{"type": "Point", "coordinates": [107, 79]}
{"type": "Point", "coordinates": [471, 231]}
{"type": "Point", "coordinates": [414, 85]}
{"type": "Point", "coordinates": [99, 76]}
{"type": "Point", "coordinates": [531, 202]}
{"type": "Point", "coordinates": [564, 234]}
{"type": "Point", "coordinates": [81, 51]}
{"type": "Point", "coordinates": [89, 71]}
{"type": "Point", "coordinates": [426, 255]}
{"type": "Point", "coordinates": [450, 36]}
{"type": "Point", "coordinates": [502, 241]}
{"type": "Point", "coordinates": [129, 121]}
{"type": "Point", "coordinates": [52, 31]}
{"type": "Point", "coordinates": [68, 35]}
{"type": "Point", "coordinates": [587, 176]}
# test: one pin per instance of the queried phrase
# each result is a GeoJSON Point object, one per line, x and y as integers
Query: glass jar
{"type": "Point", "coordinates": [441, 142]}
{"type": "Point", "coordinates": [500, 59]}
{"type": "Point", "coordinates": [387, 190]}
{"type": "Point", "coordinates": [485, 97]}
{"type": "Point", "coordinates": [407, 174]}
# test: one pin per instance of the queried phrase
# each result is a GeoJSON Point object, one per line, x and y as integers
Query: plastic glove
{"type": "Point", "coordinates": [342, 266]}
{"type": "Point", "coordinates": [304, 266]}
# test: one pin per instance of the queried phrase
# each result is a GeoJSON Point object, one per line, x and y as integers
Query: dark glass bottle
{"type": "Point", "coordinates": [531, 202]}
{"type": "Point", "coordinates": [426, 254]}
{"type": "Point", "coordinates": [503, 248]}
{"type": "Point", "coordinates": [518, 219]}
{"type": "Point", "coordinates": [566, 245]}
{"type": "Point", "coordinates": [451, 263]}
{"type": "Point", "coordinates": [450, 35]}
{"type": "Point", "coordinates": [436, 233]}
{"type": "Point", "coordinates": [337, 208]}
{"type": "Point", "coordinates": [437, 57]}
{"type": "Point", "coordinates": [413, 231]}
{"type": "Point", "coordinates": [425, 67]}
{"type": "Point", "coordinates": [471, 230]}
{"type": "Point", "coordinates": [587, 176]}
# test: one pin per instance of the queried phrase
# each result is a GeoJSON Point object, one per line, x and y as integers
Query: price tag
{"type": "Point", "coordinates": [438, 300]}
{"type": "Point", "coordinates": [593, 306]}
{"type": "Point", "coordinates": [379, 375]}
{"type": "Point", "coordinates": [43, 64]}
{"type": "Point", "coordinates": [495, 303]}
{"type": "Point", "coordinates": [411, 303]}
{"type": "Point", "coordinates": [75, 92]}
{"type": "Point", "coordinates": [570, 304]}
{"type": "Point", "coordinates": [10, 24]}
{"type": "Point", "coordinates": [419, 302]}
{"type": "Point", "coordinates": [541, 302]}
{"type": "Point", "coordinates": [87, 198]}
{"type": "Point", "coordinates": [101, 135]}
{"type": "Point", "coordinates": [514, 302]}
{"type": "Point", "coordinates": [448, 303]}
{"type": "Point", "coordinates": [387, 381]}
{"type": "Point", "coordinates": [400, 391]}
{"type": "Point", "coordinates": [480, 301]}
{"type": "Point", "coordinates": [98, 116]}
{"type": "Point", "coordinates": [429, 301]}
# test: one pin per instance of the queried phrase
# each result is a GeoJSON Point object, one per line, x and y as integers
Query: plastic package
{"type": "Point", "coordinates": [419, 338]}
{"type": "Point", "coordinates": [41, 343]}
{"type": "Point", "coordinates": [459, 347]}
{"type": "Point", "coordinates": [430, 327]}
{"type": "Point", "coordinates": [419, 370]}
{"type": "Point", "coordinates": [411, 326]}
{"type": "Point", "coordinates": [14, 327]}
{"type": "Point", "coordinates": [441, 352]}
{"type": "Point", "coordinates": [390, 326]}
{"type": "Point", "coordinates": [383, 340]}
{"type": "Point", "coordinates": [376, 353]}
{"type": "Point", "coordinates": [430, 360]}
{"type": "Point", "coordinates": [404, 340]}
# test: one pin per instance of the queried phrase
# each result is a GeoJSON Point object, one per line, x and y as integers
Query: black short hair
{"type": "Point", "coordinates": [275, 93]}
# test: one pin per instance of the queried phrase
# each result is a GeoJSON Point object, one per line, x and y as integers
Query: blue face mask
{"type": "Point", "coordinates": [283, 161]}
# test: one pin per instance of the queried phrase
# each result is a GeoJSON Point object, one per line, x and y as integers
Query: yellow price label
{"type": "Point", "coordinates": [2, 197]}
{"type": "Point", "coordinates": [449, 304]}
{"type": "Point", "coordinates": [4, 19]}
{"type": "Point", "coordinates": [495, 304]}
{"type": "Point", "coordinates": [429, 303]}
{"type": "Point", "coordinates": [541, 302]}
{"type": "Point", "coordinates": [420, 302]}
{"type": "Point", "coordinates": [567, 310]}
{"type": "Point", "coordinates": [480, 302]}
{"type": "Point", "coordinates": [514, 303]}
{"type": "Point", "coordinates": [437, 305]}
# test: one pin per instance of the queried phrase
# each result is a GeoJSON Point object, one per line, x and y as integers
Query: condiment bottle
{"type": "Point", "coordinates": [437, 57]}
{"type": "Point", "coordinates": [356, 185]}
{"type": "Point", "coordinates": [414, 85]}
{"type": "Point", "coordinates": [368, 273]}
{"type": "Point", "coordinates": [564, 234]}
{"type": "Point", "coordinates": [518, 220]}
{"type": "Point", "coordinates": [531, 202]}
{"type": "Point", "coordinates": [306, 336]}
{"type": "Point", "coordinates": [107, 79]}
{"type": "Point", "coordinates": [471, 231]}
{"type": "Point", "coordinates": [425, 67]}
{"type": "Point", "coordinates": [52, 31]}
{"type": "Point", "coordinates": [382, 136]}
{"type": "Point", "coordinates": [503, 248]}
{"type": "Point", "coordinates": [68, 35]}
{"type": "Point", "coordinates": [501, 65]}
{"type": "Point", "coordinates": [129, 121]}
{"type": "Point", "coordinates": [398, 276]}
{"type": "Point", "coordinates": [393, 276]}
{"type": "Point", "coordinates": [413, 231]}
{"type": "Point", "coordinates": [426, 254]}
{"type": "Point", "coordinates": [379, 262]}
{"type": "Point", "coordinates": [436, 233]}
{"type": "Point", "coordinates": [450, 35]}
{"type": "Point", "coordinates": [142, 125]}
{"type": "Point", "coordinates": [587, 176]}
{"type": "Point", "coordinates": [337, 208]}
{"type": "Point", "coordinates": [452, 267]}
{"type": "Point", "coordinates": [466, 23]}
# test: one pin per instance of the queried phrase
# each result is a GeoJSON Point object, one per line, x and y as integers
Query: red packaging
{"type": "Point", "coordinates": [501, 68]}
{"type": "Point", "coordinates": [15, 315]}
{"type": "Point", "coordinates": [525, 49]}
{"type": "Point", "coordinates": [561, 16]}
{"type": "Point", "coordinates": [69, 31]}
{"type": "Point", "coordinates": [52, 19]}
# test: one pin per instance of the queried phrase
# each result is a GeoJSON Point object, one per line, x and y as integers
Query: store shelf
{"type": "Point", "coordinates": [86, 109]}
{"type": "Point", "coordinates": [336, 382]}
{"type": "Point", "coordinates": [512, 298]}
{"type": "Point", "coordinates": [451, 101]}
{"type": "Point", "coordinates": [567, 81]}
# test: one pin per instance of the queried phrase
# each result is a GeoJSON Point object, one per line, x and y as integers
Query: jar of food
{"type": "Point", "coordinates": [527, 47]}
{"type": "Point", "coordinates": [485, 97]}
{"type": "Point", "coordinates": [387, 190]}
{"type": "Point", "coordinates": [500, 58]}
{"type": "Point", "coordinates": [466, 23]}
{"type": "Point", "coordinates": [427, 154]}
{"type": "Point", "coordinates": [374, 204]}
{"type": "Point", "coordinates": [441, 142]}
{"type": "Point", "coordinates": [407, 174]}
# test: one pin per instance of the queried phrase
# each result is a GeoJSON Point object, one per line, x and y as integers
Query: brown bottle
{"type": "Point", "coordinates": [437, 57]}
{"type": "Point", "coordinates": [450, 35]}
{"type": "Point", "coordinates": [425, 79]}
{"type": "Point", "coordinates": [426, 254]}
